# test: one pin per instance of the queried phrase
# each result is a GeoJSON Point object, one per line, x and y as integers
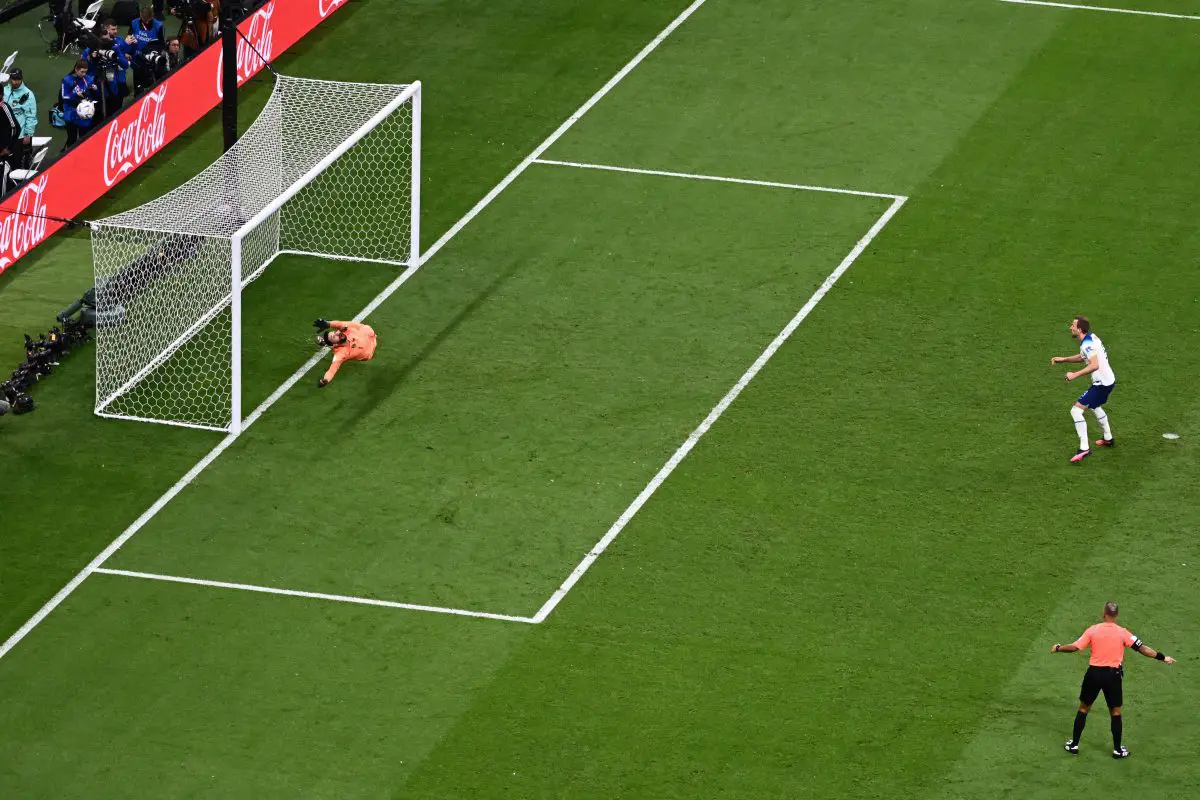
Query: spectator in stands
{"type": "Point", "coordinates": [20, 99]}
{"type": "Point", "coordinates": [146, 29]}
{"type": "Point", "coordinates": [77, 87]}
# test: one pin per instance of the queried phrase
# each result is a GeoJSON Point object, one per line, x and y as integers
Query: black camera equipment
{"type": "Point", "coordinates": [192, 9]}
{"type": "Point", "coordinates": [42, 355]}
{"type": "Point", "coordinates": [59, 29]}
{"type": "Point", "coordinates": [105, 62]}
{"type": "Point", "coordinates": [150, 66]}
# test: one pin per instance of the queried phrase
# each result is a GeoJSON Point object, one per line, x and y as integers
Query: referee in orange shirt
{"type": "Point", "coordinates": [1108, 641]}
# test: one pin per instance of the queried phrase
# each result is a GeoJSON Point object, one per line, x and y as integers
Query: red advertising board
{"type": "Point", "coordinates": [126, 142]}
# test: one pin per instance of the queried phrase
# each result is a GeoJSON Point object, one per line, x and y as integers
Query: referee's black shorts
{"type": "Point", "coordinates": [1102, 679]}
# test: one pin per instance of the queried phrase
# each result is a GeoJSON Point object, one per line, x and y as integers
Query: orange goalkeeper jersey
{"type": "Point", "coordinates": [359, 345]}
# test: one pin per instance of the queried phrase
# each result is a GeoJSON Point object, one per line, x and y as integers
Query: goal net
{"type": "Point", "coordinates": [328, 169]}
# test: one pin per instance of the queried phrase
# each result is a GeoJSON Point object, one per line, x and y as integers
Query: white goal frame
{"type": "Point", "coordinates": [411, 95]}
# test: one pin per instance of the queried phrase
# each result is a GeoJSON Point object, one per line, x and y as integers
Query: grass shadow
{"type": "Point", "coordinates": [383, 383]}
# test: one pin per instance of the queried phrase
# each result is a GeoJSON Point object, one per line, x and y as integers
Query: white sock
{"type": "Point", "coordinates": [1102, 418]}
{"type": "Point", "coordinates": [1080, 426]}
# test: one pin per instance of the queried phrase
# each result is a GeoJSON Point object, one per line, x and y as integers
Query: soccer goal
{"type": "Point", "coordinates": [329, 169]}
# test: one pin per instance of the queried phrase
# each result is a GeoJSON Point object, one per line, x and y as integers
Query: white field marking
{"type": "Point", "coordinates": [201, 465]}
{"type": "Point", "coordinates": [716, 413]}
{"type": "Point", "coordinates": [1102, 8]}
{"type": "Point", "coordinates": [337, 598]}
{"type": "Point", "coordinates": [716, 178]}
{"type": "Point", "coordinates": [566, 126]}
{"type": "Point", "coordinates": [149, 513]}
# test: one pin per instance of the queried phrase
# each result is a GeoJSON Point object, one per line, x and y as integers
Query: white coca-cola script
{"type": "Point", "coordinates": [21, 230]}
{"type": "Point", "coordinates": [327, 7]}
{"type": "Point", "coordinates": [251, 50]}
{"type": "Point", "coordinates": [131, 142]}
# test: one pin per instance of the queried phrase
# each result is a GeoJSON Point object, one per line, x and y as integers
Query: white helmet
{"type": "Point", "coordinates": [86, 109]}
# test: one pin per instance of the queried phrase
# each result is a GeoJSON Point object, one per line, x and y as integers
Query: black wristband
{"type": "Point", "coordinates": [1161, 656]}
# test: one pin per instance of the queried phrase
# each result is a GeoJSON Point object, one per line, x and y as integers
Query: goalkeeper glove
{"type": "Point", "coordinates": [321, 324]}
{"type": "Point", "coordinates": [321, 384]}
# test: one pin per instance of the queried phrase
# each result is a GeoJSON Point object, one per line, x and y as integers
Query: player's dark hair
{"type": "Point", "coordinates": [1083, 324]}
{"type": "Point", "coordinates": [1110, 609]}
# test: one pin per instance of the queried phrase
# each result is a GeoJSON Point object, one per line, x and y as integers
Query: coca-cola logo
{"type": "Point", "coordinates": [21, 231]}
{"type": "Point", "coordinates": [327, 7]}
{"type": "Point", "coordinates": [129, 144]}
{"type": "Point", "coordinates": [253, 50]}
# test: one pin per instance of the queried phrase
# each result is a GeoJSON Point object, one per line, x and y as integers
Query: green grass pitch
{"type": "Point", "coordinates": [848, 587]}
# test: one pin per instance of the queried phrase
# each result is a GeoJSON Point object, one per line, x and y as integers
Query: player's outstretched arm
{"type": "Point", "coordinates": [1064, 648]}
{"type": "Point", "coordinates": [333, 370]}
{"type": "Point", "coordinates": [321, 324]}
{"type": "Point", "coordinates": [339, 324]}
{"type": "Point", "coordinates": [1067, 359]}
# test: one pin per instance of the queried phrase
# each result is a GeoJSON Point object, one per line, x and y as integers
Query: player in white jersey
{"type": "Point", "coordinates": [1091, 352]}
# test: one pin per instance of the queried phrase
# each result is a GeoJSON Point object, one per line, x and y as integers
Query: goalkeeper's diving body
{"type": "Point", "coordinates": [350, 341]}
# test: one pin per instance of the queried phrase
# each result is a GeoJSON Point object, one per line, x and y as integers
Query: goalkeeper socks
{"type": "Point", "coordinates": [1080, 426]}
{"type": "Point", "coordinates": [1102, 418]}
{"type": "Point", "coordinates": [1080, 721]}
{"type": "Point", "coordinates": [1116, 732]}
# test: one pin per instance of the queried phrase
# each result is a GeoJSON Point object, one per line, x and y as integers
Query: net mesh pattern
{"type": "Point", "coordinates": [164, 270]}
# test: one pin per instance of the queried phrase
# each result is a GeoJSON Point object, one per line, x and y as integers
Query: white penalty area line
{"type": "Point", "coordinates": [715, 178]}
{"type": "Point", "coordinates": [337, 598]}
{"type": "Point", "coordinates": [1078, 7]}
{"type": "Point", "coordinates": [203, 464]}
{"type": "Point", "coordinates": [715, 414]}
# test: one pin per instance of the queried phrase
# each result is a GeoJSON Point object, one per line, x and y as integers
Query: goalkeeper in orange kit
{"type": "Point", "coordinates": [350, 341]}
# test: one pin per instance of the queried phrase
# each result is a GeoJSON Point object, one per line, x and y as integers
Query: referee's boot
{"type": "Point", "coordinates": [1105, 443]}
{"type": "Point", "coordinates": [1080, 455]}
{"type": "Point", "coordinates": [1121, 753]}
{"type": "Point", "coordinates": [1071, 747]}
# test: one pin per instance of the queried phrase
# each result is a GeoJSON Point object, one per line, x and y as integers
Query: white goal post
{"type": "Point", "coordinates": [328, 169]}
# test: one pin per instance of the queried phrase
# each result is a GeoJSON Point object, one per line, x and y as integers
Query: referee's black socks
{"type": "Point", "coordinates": [1116, 732]}
{"type": "Point", "coordinates": [1080, 721]}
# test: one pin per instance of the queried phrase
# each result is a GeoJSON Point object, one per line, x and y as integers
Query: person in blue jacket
{"type": "Point", "coordinates": [110, 57]}
{"type": "Point", "coordinates": [148, 30]}
{"type": "Point", "coordinates": [77, 87]}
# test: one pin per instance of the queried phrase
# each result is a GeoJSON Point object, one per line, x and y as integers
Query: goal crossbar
{"type": "Point", "coordinates": [413, 93]}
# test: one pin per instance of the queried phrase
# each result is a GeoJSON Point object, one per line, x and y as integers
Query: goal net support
{"type": "Point", "coordinates": [329, 169]}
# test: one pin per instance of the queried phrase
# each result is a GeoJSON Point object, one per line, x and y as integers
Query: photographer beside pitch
{"type": "Point", "coordinates": [108, 66]}
{"type": "Point", "coordinates": [350, 341]}
{"type": "Point", "coordinates": [1107, 641]}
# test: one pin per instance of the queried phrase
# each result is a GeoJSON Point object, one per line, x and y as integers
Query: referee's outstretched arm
{"type": "Point", "coordinates": [1150, 652]}
{"type": "Point", "coordinates": [1144, 649]}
